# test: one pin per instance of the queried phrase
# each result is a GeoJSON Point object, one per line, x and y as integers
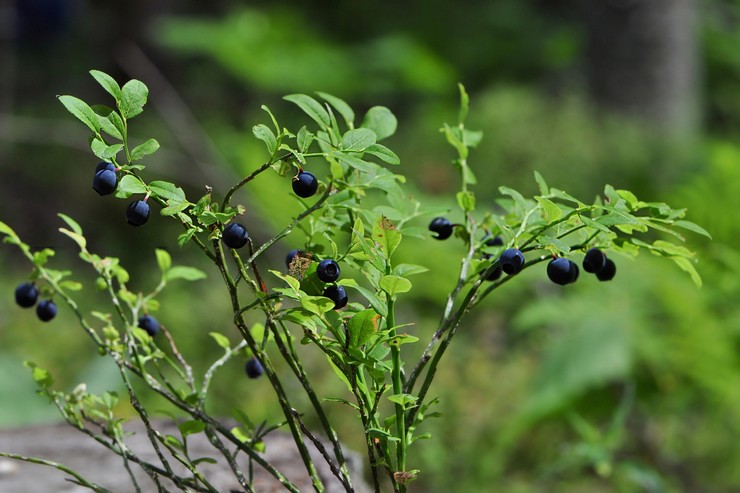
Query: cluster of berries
{"type": "Point", "coordinates": [26, 296]}
{"type": "Point", "coordinates": [560, 270]}
{"type": "Point", "coordinates": [105, 182]}
{"type": "Point", "coordinates": [328, 272]}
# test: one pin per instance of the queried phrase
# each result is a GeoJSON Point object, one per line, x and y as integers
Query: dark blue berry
{"type": "Point", "coordinates": [328, 270]}
{"type": "Point", "coordinates": [149, 324]}
{"type": "Point", "coordinates": [105, 182]}
{"type": "Point", "coordinates": [608, 272]}
{"type": "Point", "coordinates": [46, 310]}
{"type": "Point", "coordinates": [494, 274]}
{"type": "Point", "coordinates": [137, 213]}
{"type": "Point", "coordinates": [511, 261]}
{"type": "Point", "coordinates": [442, 227]}
{"type": "Point", "coordinates": [305, 184]}
{"type": "Point", "coordinates": [103, 165]}
{"type": "Point", "coordinates": [253, 368]}
{"type": "Point", "coordinates": [561, 271]}
{"type": "Point", "coordinates": [26, 295]}
{"type": "Point", "coordinates": [495, 241]}
{"type": "Point", "coordinates": [337, 294]}
{"type": "Point", "coordinates": [594, 261]}
{"type": "Point", "coordinates": [235, 235]}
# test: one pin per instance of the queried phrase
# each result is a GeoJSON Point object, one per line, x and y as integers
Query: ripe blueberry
{"type": "Point", "coordinates": [46, 310]}
{"type": "Point", "coordinates": [105, 181]}
{"type": "Point", "coordinates": [103, 165]}
{"type": "Point", "coordinates": [442, 227]}
{"type": "Point", "coordinates": [575, 270]}
{"type": "Point", "coordinates": [337, 294]}
{"type": "Point", "coordinates": [291, 255]}
{"type": "Point", "coordinates": [149, 324]}
{"type": "Point", "coordinates": [305, 184]}
{"type": "Point", "coordinates": [562, 271]}
{"type": "Point", "coordinates": [608, 272]}
{"type": "Point", "coordinates": [594, 261]}
{"type": "Point", "coordinates": [495, 241]}
{"type": "Point", "coordinates": [137, 213]}
{"type": "Point", "coordinates": [253, 368]}
{"type": "Point", "coordinates": [328, 270]}
{"type": "Point", "coordinates": [495, 274]}
{"type": "Point", "coordinates": [511, 260]}
{"type": "Point", "coordinates": [26, 295]}
{"type": "Point", "coordinates": [235, 235]}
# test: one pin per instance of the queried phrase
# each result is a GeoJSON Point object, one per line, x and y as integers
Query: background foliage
{"type": "Point", "coordinates": [634, 386]}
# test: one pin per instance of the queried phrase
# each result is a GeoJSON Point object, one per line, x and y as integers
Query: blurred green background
{"type": "Point", "coordinates": [632, 385]}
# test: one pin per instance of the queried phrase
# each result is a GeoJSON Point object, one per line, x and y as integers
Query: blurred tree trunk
{"type": "Point", "coordinates": [642, 60]}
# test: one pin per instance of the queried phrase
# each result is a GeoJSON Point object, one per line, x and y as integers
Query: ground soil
{"type": "Point", "coordinates": [64, 444]}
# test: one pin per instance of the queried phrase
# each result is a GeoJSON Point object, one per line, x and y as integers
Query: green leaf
{"type": "Point", "coordinates": [104, 151]}
{"type": "Point", "coordinates": [186, 273]}
{"type": "Point", "coordinates": [133, 98]}
{"type": "Point", "coordinates": [408, 269]}
{"type": "Point", "coordinates": [70, 285]}
{"type": "Point", "coordinates": [166, 190]}
{"type": "Point", "coordinates": [466, 201]}
{"type": "Point", "coordinates": [294, 283]}
{"type": "Point", "coordinates": [354, 162]}
{"type": "Point", "coordinates": [358, 140]}
{"type": "Point", "coordinates": [221, 340]}
{"type": "Point", "coordinates": [386, 236]}
{"type": "Point", "coordinates": [128, 186]}
{"type": "Point", "coordinates": [42, 377]}
{"type": "Point", "coordinates": [342, 107]}
{"type": "Point", "coordinates": [145, 149]}
{"type": "Point", "coordinates": [394, 284]}
{"type": "Point", "coordinates": [312, 108]}
{"type": "Point", "coordinates": [82, 112]}
{"type": "Point", "coordinates": [688, 225]}
{"type": "Point", "coordinates": [382, 152]}
{"type": "Point", "coordinates": [108, 83]}
{"type": "Point", "coordinates": [464, 104]}
{"type": "Point", "coordinates": [304, 139]}
{"type": "Point", "coordinates": [174, 207]}
{"type": "Point", "coordinates": [407, 401]}
{"type": "Point", "coordinates": [263, 133]}
{"type": "Point", "coordinates": [402, 339]}
{"type": "Point", "coordinates": [317, 305]}
{"type": "Point", "coordinates": [380, 120]}
{"type": "Point", "coordinates": [544, 189]}
{"type": "Point", "coordinates": [164, 260]}
{"type": "Point", "coordinates": [70, 222]}
{"type": "Point", "coordinates": [551, 209]}
{"type": "Point", "coordinates": [375, 302]}
{"type": "Point", "coordinates": [174, 443]}
{"type": "Point", "coordinates": [362, 327]}
{"type": "Point", "coordinates": [191, 427]}
{"type": "Point", "coordinates": [109, 120]}
{"type": "Point", "coordinates": [76, 237]}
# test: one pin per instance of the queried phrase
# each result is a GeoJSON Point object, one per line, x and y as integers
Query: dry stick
{"type": "Point", "coordinates": [218, 426]}
{"type": "Point", "coordinates": [188, 369]}
{"type": "Point", "coordinates": [79, 479]}
{"type": "Point", "coordinates": [292, 361]}
{"type": "Point", "coordinates": [322, 450]}
{"type": "Point", "coordinates": [291, 357]}
{"type": "Point", "coordinates": [444, 323]}
{"type": "Point", "coordinates": [216, 442]}
{"type": "Point", "coordinates": [269, 370]}
{"type": "Point", "coordinates": [153, 384]}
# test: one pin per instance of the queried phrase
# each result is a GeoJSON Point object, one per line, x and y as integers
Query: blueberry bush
{"type": "Point", "coordinates": [338, 293]}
